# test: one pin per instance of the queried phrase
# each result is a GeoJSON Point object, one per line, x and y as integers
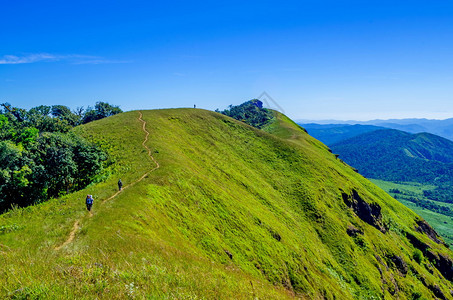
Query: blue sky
{"type": "Point", "coordinates": [317, 59]}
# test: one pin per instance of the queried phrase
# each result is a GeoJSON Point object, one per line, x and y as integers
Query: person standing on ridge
{"type": "Point", "coordinates": [120, 184]}
{"type": "Point", "coordinates": [89, 202]}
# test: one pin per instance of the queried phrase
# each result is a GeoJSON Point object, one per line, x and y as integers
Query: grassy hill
{"type": "Point", "coordinates": [231, 212]}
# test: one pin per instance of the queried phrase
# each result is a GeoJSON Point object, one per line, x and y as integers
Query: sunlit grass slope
{"type": "Point", "coordinates": [232, 212]}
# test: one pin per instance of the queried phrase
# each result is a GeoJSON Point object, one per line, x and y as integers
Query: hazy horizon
{"type": "Point", "coordinates": [368, 120]}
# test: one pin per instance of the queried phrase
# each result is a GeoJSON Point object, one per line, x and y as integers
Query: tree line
{"type": "Point", "coordinates": [40, 158]}
{"type": "Point", "coordinates": [420, 202]}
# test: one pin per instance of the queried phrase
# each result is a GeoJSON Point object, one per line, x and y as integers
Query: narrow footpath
{"type": "Point", "coordinates": [76, 225]}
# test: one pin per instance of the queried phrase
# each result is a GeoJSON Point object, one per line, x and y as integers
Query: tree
{"type": "Point", "coordinates": [15, 174]}
{"type": "Point", "coordinates": [79, 112]}
{"type": "Point", "coordinates": [41, 110]}
{"type": "Point", "coordinates": [63, 113]}
{"type": "Point", "coordinates": [250, 112]}
{"type": "Point", "coordinates": [40, 159]}
{"type": "Point", "coordinates": [15, 113]}
{"type": "Point", "coordinates": [58, 159]}
{"type": "Point", "coordinates": [6, 129]}
{"type": "Point", "coordinates": [89, 159]}
{"type": "Point", "coordinates": [101, 110]}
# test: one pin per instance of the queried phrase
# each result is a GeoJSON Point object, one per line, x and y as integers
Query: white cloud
{"type": "Point", "coordinates": [26, 59]}
{"type": "Point", "coordinates": [47, 57]}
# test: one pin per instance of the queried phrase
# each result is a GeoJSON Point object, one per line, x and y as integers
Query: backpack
{"type": "Point", "coordinates": [89, 200]}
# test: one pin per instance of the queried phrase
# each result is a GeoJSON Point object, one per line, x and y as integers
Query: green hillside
{"type": "Point", "coordinates": [220, 210]}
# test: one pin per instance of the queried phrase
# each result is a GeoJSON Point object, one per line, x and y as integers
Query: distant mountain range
{"type": "Point", "coordinates": [333, 133]}
{"type": "Point", "coordinates": [394, 155]}
{"type": "Point", "coordinates": [443, 128]}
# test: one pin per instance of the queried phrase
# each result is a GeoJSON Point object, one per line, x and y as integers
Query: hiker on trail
{"type": "Point", "coordinates": [194, 106]}
{"type": "Point", "coordinates": [120, 184]}
{"type": "Point", "coordinates": [89, 202]}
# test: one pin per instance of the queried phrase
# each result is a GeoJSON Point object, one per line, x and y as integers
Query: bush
{"type": "Point", "coordinates": [417, 256]}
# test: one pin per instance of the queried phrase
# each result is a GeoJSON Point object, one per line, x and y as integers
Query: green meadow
{"type": "Point", "coordinates": [440, 222]}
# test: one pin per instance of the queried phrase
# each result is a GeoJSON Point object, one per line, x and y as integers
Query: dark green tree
{"type": "Point", "coordinates": [40, 159]}
{"type": "Point", "coordinates": [101, 110]}
{"type": "Point", "coordinates": [250, 112]}
{"type": "Point", "coordinates": [64, 114]}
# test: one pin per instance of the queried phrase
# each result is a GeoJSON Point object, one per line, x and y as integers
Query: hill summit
{"type": "Point", "coordinates": [214, 208]}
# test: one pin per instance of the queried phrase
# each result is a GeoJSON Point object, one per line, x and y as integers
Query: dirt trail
{"type": "Point", "coordinates": [149, 154]}
{"type": "Point", "coordinates": [77, 223]}
{"type": "Point", "coordinates": [71, 235]}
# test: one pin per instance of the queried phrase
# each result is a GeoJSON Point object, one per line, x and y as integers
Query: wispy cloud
{"type": "Point", "coordinates": [26, 59]}
{"type": "Point", "coordinates": [47, 57]}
